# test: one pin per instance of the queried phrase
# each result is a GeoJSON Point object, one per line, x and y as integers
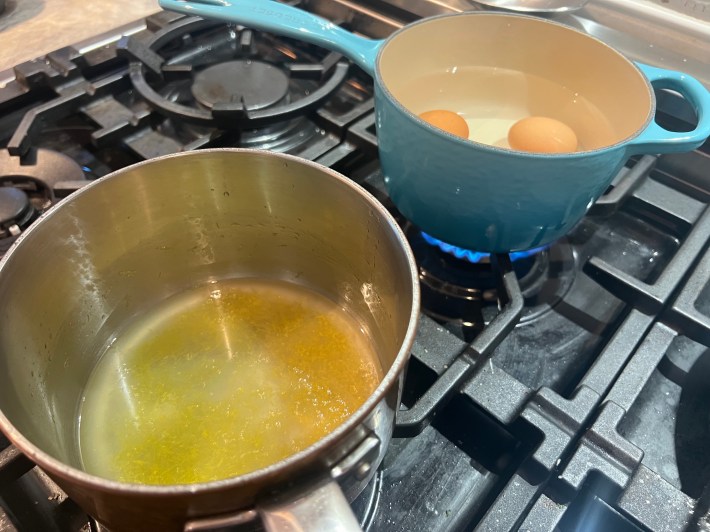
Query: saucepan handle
{"type": "Point", "coordinates": [655, 139]}
{"type": "Point", "coordinates": [322, 507]}
{"type": "Point", "coordinates": [316, 506]}
{"type": "Point", "coordinates": [285, 20]}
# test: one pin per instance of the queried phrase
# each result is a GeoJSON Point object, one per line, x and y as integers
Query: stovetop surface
{"type": "Point", "coordinates": [563, 391]}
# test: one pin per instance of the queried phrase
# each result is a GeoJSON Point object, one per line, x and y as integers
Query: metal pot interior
{"type": "Point", "coordinates": [123, 244]}
{"type": "Point", "coordinates": [502, 68]}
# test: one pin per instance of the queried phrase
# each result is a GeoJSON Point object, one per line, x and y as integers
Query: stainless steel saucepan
{"type": "Point", "coordinates": [133, 238]}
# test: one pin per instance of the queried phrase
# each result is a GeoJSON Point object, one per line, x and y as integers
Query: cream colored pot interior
{"type": "Point", "coordinates": [496, 69]}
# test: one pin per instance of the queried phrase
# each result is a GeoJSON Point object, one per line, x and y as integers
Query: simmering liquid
{"type": "Point", "coordinates": [491, 100]}
{"type": "Point", "coordinates": [222, 380]}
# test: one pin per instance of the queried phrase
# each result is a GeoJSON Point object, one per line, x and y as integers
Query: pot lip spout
{"type": "Point", "coordinates": [59, 469]}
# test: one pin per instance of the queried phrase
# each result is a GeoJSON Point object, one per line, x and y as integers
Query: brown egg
{"type": "Point", "coordinates": [448, 121]}
{"type": "Point", "coordinates": [540, 134]}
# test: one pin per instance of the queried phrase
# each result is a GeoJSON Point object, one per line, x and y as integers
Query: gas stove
{"type": "Point", "coordinates": [559, 390]}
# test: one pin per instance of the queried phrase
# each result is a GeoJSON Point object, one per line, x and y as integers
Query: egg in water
{"type": "Point", "coordinates": [540, 134]}
{"type": "Point", "coordinates": [446, 120]}
{"type": "Point", "coordinates": [491, 100]}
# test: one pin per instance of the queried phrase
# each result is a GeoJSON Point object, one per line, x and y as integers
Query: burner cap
{"type": "Point", "coordinates": [259, 84]}
{"type": "Point", "coordinates": [14, 208]}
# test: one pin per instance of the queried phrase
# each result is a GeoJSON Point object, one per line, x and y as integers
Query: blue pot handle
{"type": "Point", "coordinates": [285, 20]}
{"type": "Point", "coordinates": [655, 139]}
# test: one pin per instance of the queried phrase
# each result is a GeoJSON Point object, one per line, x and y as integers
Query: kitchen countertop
{"type": "Point", "coordinates": [645, 30]}
{"type": "Point", "coordinates": [31, 28]}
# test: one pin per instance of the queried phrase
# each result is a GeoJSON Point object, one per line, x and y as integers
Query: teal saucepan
{"type": "Point", "coordinates": [493, 70]}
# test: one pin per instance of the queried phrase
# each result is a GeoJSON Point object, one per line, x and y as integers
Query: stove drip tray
{"type": "Point", "coordinates": [692, 429]}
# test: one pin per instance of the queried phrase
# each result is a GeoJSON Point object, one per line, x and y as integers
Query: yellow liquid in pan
{"type": "Point", "coordinates": [223, 380]}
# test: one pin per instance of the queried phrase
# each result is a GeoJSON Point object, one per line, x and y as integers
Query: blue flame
{"type": "Point", "coordinates": [475, 256]}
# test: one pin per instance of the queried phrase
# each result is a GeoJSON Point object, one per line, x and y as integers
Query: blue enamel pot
{"type": "Point", "coordinates": [493, 69]}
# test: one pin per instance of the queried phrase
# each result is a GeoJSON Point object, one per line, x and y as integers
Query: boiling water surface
{"type": "Point", "coordinates": [223, 380]}
{"type": "Point", "coordinates": [491, 100]}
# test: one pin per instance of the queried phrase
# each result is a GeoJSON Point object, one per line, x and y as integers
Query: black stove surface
{"type": "Point", "coordinates": [560, 391]}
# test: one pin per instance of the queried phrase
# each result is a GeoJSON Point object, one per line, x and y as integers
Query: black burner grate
{"type": "Point", "coordinates": [225, 93]}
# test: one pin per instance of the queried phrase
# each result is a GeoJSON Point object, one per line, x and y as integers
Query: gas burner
{"type": "Point", "coordinates": [461, 286]}
{"type": "Point", "coordinates": [214, 75]}
{"type": "Point", "coordinates": [280, 137]}
{"type": "Point", "coordinates": [16, 212]}
{"type": "Point", "coordinates": [253, 83]}
{"type": "Point", "coordinates": [39, 173]}
{"type": "Point", "coordinates": [28, 186]}
{"type": "Point", "coordinates": [475, 256]}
